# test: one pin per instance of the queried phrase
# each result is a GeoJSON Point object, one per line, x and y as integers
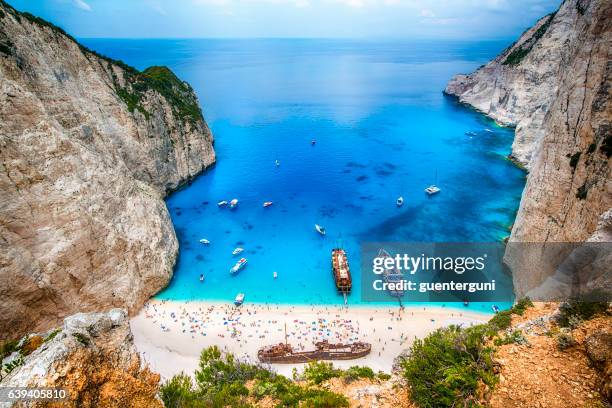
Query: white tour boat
{"type": "Point", "coordinates": [239, 265]}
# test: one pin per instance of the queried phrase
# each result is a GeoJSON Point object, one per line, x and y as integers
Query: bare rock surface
{"type": "Point", "coordinates": [554, 85]}
{"type": "Point", "coordinates": [89, 147]}
{"type": "Point", "coordinates": [92, 356]}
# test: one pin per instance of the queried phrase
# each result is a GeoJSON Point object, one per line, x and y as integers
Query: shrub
{"type": "Point", "coordinates": [52, 335]}
{"type": "Point", "coordinates": [220, 382]}
{"type": "Point", "coordinates": [178, 392]}
{"type": "Point", "coordinates": [516, 337]}
{"type": "Point", "coordinates": [7, 348]}
{"type": "Point", "coordinates": [575, 310]}
{"type": "Point", "coordinates": [582, 192]}
{"type": "Point", "coordinates": [565, 340]}
{"type": "Point", "coordinates": [445, 368]}
{"type": "Point", "coordinates": [318, 372]}
{"type": "Point", "coordinates": [522, 305]}
{"type": "Point", "coordinates": [574, 159]}
{"type": "Point", "coordinates": [83, 339]}
{"type": "Point", "coordinates": [356, 372]}
{"type": "Point", "coordinates": [501, 320]}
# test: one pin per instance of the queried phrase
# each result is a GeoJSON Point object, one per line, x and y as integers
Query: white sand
{"type": "Point", "coordinates": [170, 335]}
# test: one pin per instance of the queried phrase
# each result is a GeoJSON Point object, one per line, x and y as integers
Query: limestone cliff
{"type": "Point", "coordinates": [88, 149]}
{"type": "Point", "coordinates": [553, 84]}
{"type": "Point", "coordinates": [91, 356]}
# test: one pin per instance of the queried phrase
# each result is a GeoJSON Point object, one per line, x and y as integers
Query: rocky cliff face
{"type": "Point", "coordinates": [92, 357]}
{"type": "Point", "coordinates": [88, 149]}
{"type": "Point", "coordinates": [553, 84]}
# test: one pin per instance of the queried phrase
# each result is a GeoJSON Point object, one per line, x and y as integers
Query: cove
{"type": "Point", "coordinates": [382, 128]}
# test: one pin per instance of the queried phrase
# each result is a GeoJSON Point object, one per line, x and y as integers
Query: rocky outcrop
{"type": "Point", "coordinates": [553, 84]}
{"type": "Point", "coordinates": [88, 149]}
{"type": "Point", "coordinates": [92, 357]}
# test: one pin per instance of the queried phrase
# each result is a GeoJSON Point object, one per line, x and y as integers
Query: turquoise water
{"type": "Point", "coordinates": [383, 128]}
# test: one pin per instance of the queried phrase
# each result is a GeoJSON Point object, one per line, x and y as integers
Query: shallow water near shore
{"type": "Point", "coordinates": [383, 129]}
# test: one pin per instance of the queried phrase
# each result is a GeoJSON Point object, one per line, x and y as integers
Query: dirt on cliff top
{"type": "Point", "coordinates": [540, 374]}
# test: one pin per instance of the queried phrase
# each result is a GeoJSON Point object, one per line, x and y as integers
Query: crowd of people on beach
{"type": "Point", "coordinates": [236, 327]}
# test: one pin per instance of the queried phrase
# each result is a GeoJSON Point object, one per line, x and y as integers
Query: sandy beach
{"type": "Point", "coordinates": [170, 335]}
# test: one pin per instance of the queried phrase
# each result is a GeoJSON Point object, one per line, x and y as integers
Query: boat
{"type": "Point", "coordinates": [320, 229]}
{"type": "Point", "coordinates": [239, 299]}
{"type": "Point", "coordinates": [276, 162]}
{"type": "Point", "coordinates": [267, 204]}
{"type": "Point", "coordinates": [234, 203]}
{"type": "Point", "coordinates": [202, 277]}
{"type": "Point", "coordinates": [222, 203]}
{"type": "Point", "coordinates": [313, 142]}
{"type": "Point", "coordinates": [275, 274]}
{"type": "Point", "coordinates": [433, 189]}
{"type": "Point", "coordinates": [341, 271]}
{"type": "Point", "coordinates": [237, 251]}
{"type": "Point", "coordinates": [283, 353]}
{"type": "Point", "coordinates": [495, 308]}
{"type": "Point", "coordinates": [400, 201]}
{"type": "Point", "coordinates": [466, 303]}
{"type": "Point", "coordinates": [470, 133]}
{"type": "Point", "coordinates": [204, 241]}
{"type": "Point", "coordinates": [391, 275]}
{"type": "Point", "coordinates": [239, 265]}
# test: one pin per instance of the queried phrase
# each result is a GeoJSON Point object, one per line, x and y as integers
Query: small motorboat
{"type": "Point", "coordinates": [276, 162]}
{"type": "Point", "coordinates": [275, 274]}
{"type": "Point", "coordinates": [222, 203]}
{"type": "Point", "coordinates": [204, 241]}
{"type": "Point", "coordinates": [239, 265]}
{"type": "Point", "coordinates": [320, 229]}
{"type": "Point", "coordinates": [267, 204]}
{"type": "Point", "coordinates": [239, 299]}
{"type": "Point", "coordinates": [313, 142]}
{"type": "Point", "coordinates": [495, 308]}
{"type": "Point", "coordinates": [202, 277]}
{"type": "Point", "coordinates": [433, 189]}
{"type": "Point", "coordinates": [234, 203]}
{"type": "Point", "coordinates": [237, 251]}
{"type": "Point", "coordinates": [400, 201]}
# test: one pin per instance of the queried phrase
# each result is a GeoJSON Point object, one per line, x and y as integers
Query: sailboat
{"type": "Point", "coordinates": [433, 189]}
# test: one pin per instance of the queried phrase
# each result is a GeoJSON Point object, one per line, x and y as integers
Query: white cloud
{"type": "Point", "coordinates": [427, 13]}
{"type": "Point", "coordinates": [156, 6]}
{"type": "Point", "coordinates": [82, 5]}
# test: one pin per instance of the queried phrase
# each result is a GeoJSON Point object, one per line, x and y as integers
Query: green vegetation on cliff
{"type": "Point", "coordinates": [516, 56]}
{"type": "Point", "coordinates": [449, 367]}
{"type": "Point", "coordinates": [223, 381]}
{"type": "Point", "coordinates": [178, 94]}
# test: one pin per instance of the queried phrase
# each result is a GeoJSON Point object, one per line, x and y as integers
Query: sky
{"type": "Point", "coordinates": [404, 19]}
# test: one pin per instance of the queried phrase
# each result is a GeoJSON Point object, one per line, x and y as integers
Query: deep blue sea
{"type": "Point", "coordinates": [383, 129]}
